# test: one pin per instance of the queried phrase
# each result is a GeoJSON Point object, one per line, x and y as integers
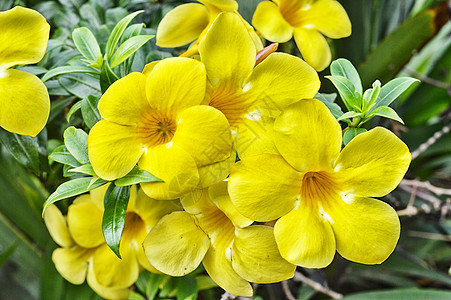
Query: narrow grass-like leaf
{"type": "Point", "coordinates": [116, 201]}
{"type": "Point", "coordinates": [68, 69]}
{"type": "Point", "coordinates": [63, 156]}
{"type": "Point", "coordinates": [343, 67]}
{"type": "Point", "coordinates": [136, 176]}
{"type": "Point", "coordinates": [76, 141]}
{"type": "Point", "coordinates": [128, 48]}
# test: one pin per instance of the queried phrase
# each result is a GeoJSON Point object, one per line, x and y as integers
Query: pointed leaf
{"type": "Point", "coordinates": [68, 69]}
{"type": "Point", "coordinates": [346, 90]}
{"type": "Point", "coordinates": [386, 112]}
{"type": "Point", "coordinates": [72, 110]}
{"type": "Point", "coordinates": [84, 169]}
{"type": "Point", "coordinates": [63, 156]}
{"type": "Point", "coordinates": [343, 67]}
{"type": "Point", "coordinates": [348, 115]}
{"type": "Point", "coordinates": [87, 45]}
{"type": "Point", "coordinates": [392, 90]}
{"type": "Point", "coordinates": [107, 77]}
{"type": "Point", "coordinates": [76, 141]}
{"type": "Point", "coordinates": [136, 176]}
{"type": "Point", "coordinates": [128, 48]}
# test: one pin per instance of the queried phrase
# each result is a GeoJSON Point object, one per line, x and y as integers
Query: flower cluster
{"type": "Point", "coordinates": [293, 199]}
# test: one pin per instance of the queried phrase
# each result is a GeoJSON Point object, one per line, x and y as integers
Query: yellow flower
{"type": "Point", "coordinates": [319, 195]}
{"type": "Point", "coordinates": [191, 21]}
{"type": "Point", "coordinates": [251, 96]}
{"type": "Point", "coordinates": [308, 21]}
{"type": "Point", "coordinates": [157, 122]}
{"type": "Point", "coordinates": [211, 231]}
{"type": "Point", "coordinates": [84, 253]}
{"type": "Point", "coordinates": [25, 102]}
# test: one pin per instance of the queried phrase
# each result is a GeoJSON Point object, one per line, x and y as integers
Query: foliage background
{"type": "Point", "coordinates": [390, 38]}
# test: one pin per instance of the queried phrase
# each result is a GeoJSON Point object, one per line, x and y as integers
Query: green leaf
{"type": "Point", "coordinates": [393, 89]}
{"type": "Point", "coordinates": [135, 296]}
{"type": "Point", "coordinates": [87, 44]}
{"type": "Point", "coordinates": [348, 115]}
{"type": "Point", "coordinates": [347, 91]}
{"type": "Point", "coordinates": [68, 69]}
{"type": "Point", "coordinates": [116, 201]}
{"type": "Point", "coordinates": [402, 294]}
{"type": "Point", "coordinates": [23, 148]}
{"type": "Point", "coordinates": [127, 49]}
{"type": "Point", "coordinates": [72, 188]}
{"type": "Point", "coordinates": [89, 110]}
{"type": "Point", "coordinates": [351, 133]}
{"type": "Point", "coordinates": [149, 283]}
{"type": "Point", "coordinates": [370, 96]}
{"type": "Point", "coordinates": [136, 176]}
{"type": "Point", "coordinates": [5, 255]}
{"type": "Point", "coordinates": [76, 141]}
{"type": "Point", "coordinates": [187, 288]}
{"type": "Point", "coordinates": [386, 112]}
{"type": "Point", "coordinates": [63, 156]}
{"type": "Point", "coordinates": [328, 100]}
{"type": "Point", "coordinates": [107, 77]}
{"type": "Point", "coordinates": [344, 68]}
{"type": "Point", "coordinates": [117, 32]}
{"type": "Point", "coordinates": [84, 169]}
{"type": "Point", "coordinates": [73, 110]}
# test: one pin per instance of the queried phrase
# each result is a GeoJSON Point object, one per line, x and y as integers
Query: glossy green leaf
{"type": "Point", "coordinates": [23, 148]}
{"type": "Point", "coordinates": [351, 133]}
{"type": "Point", "coordinates": [87, 44]}
{"type": "Point", "coordinates": [117, 32]}
{"type": "Point", "coordinates": [402, 294]}
{"type": "Point", "coordinates": [66, 70]}
{"type": "Point", "coordinates": [386, 112]}
{"type": "Point", "coordinates": [136, 176]}
{"type": "Point", "coordinates": [72, 188]}
{"type": "Point", "coordinates": [76, 107]}
{"type": "Point", "coordinates": [343, 67]}
{"type": "Point", "coordinates": [393, 89]}
{"type": "Point", "coordinates": [348, 115]}
{"type": "Point", "coordinates": [113, 223]}
{"type": "Point", "coordinates": [347, 91]}
{"type": "Point", "coordinates": [84, 169]}
{"type": "Point", "coordinates": [63, 156]}
{"type": "Point", "coordinates": [76, 141]}
{"type": "Point", "coordinates": [128, 48]}
{"type": "Point", "coordinates": [89, 110]}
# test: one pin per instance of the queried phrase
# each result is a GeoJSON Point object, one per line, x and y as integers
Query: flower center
{"type": "Point", "coordinates": [157, 128]}
{"type": "Point", "coordinates": [294, 12]}
{"type": "Point", "coordinates": [231, 104]}
{"type": "Point", "coordinates": [318, 189]}
{"type": "Point", "coordinates": [134, 226]}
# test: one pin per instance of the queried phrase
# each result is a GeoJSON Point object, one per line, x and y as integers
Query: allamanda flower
{"type": "Point", "coordinates": [84, 253]}
{"type": "Point", "coordinates": [319, 196]}
{"type": "Point", "coordinates": [307, 21]}
{"type": "Point", "coordinates": [24, 101]}
{"type": "Point", "coordinates": [211, 231]}
{"type": "Point", "coordinates": [251, 96]}
{"type": "Point", "coordinates": [157, 122]}
{"type": "Point", "coordinates": [191, 21]}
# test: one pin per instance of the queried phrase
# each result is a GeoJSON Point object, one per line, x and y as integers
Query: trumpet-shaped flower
{"type": "Point", "coordinates": [307, 21]}
{"type": "Point", "coordinates": [211, 231]}
{"type": "Point", "coordinates": [157, 121]}
{"type": "Point", "coordinates": [84, 253]}
{"type": "Point", "coordinates": [319, 196]}
{"type": "Point", "coordinates": [24, 102]}
{"type": "Point", "coordinates": [251, 96]}
{"type": "Point", "coordinates": [191, 21]}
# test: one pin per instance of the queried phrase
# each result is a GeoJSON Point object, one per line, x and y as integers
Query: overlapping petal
{"type": "Point", "coordinates": [176, 245]}
{"type": "Point", "coordinates": [213, 173]}
{"type": "Point", "coordinates": [373, 163]}
{"type": "Point", "coordinates": [275, 30]}
{"type": "Point", "coordinates": [366, 230]}
{"type": "Point", "coordinates": [314, 47]}
{"type": "Point", "coordinates": [256, 258]}
{"type": "Point", "coordinates": [24, 37]}
{"type": "Point", "coordinates": [308, 136]}
{"type": "Point", "coordinates": [113, 293]}
{"type": "Point", "coordinates": [57, 226]}
{"type": "Point", "coordinates": [113, 149]}
{"type": "Point", "coordinates": [255, 134]}
{"type": "Point", "coordinates": [182, 25]}
{"type": "Point", "coordinates": [225, 5]}
{"type": "Point", "coordinates": [72, 263]}
{"type": "Point", "coordinates": [266, 182]}
{"type": "Point", "coordinates": [25, 102]}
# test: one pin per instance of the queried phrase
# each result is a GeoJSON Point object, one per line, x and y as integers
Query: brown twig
{"type": "Point", "coordinates": [431, 141]}
{"type": "Point", "coordinates": [317, 286]}
{"type": "Point", "coordinates": [427, 185]}
{"type": "Point", "coordinates": [287, 291]}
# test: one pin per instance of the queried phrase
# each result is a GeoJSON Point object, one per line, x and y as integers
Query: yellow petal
{"type": "Point", "coordinates": [204, 133]}
{"type": "Point", "coordinates": [85, 224]}
{"type": "Point", "coordinates": [314, 48]}
{"type": "Point", "coordinates": [329, 17]}
{"type": "Point", "coordinates": [216, 172]}
{"type": "Point", "coordinates": [112, 271]}
{"type": "Point", "coordinates": [366, 230]}
{"type": "Point", "coordinates": [280, 80]}
{"type": "Point", "coordinates": [218, 264]}
{"type": "Point", "coordinates": [256, 258]}
{"type": "Point", "coordinates": [228, 52]}
{"type": "Point", "coordinates": [175, 84]}
{"type": "Point", "coordinates": [125, 100]}
{"type": "Point", "coordinates": [224, 5]}
{"type": "Point", "coordinates": [149, 68]}
{"type": "Point", "coordinates": [174, 166]}
{"type": "Point", "coordinates": [308, 136]}
{"type": "Point", "coordinates": [304, 238]}
{"type": "Point", "coordinates": [114, 293]}
{"type": "Point", "coordinates": [72, 263]}
{"type": "Point", "coordinates": [113, 149]}
{"type": "Point", "coordinates": [220, 196]}
{"type": "Point", "coordinates": [57, 226]}
{"type": "Point", "coordinates": [373, 163]}
{"type": "Point", "coordinates": [24, 37]}
{"type": "Point", "coordinates": [264, 187]}
{"type": "Point", "coordinates": [269, 21]}
{"type": "Point", "coordinates": [182, 25]}
{"type": "Point", "coordinates": [25, 102]}
{"type": "Point", "coordinates": [176, 246]}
